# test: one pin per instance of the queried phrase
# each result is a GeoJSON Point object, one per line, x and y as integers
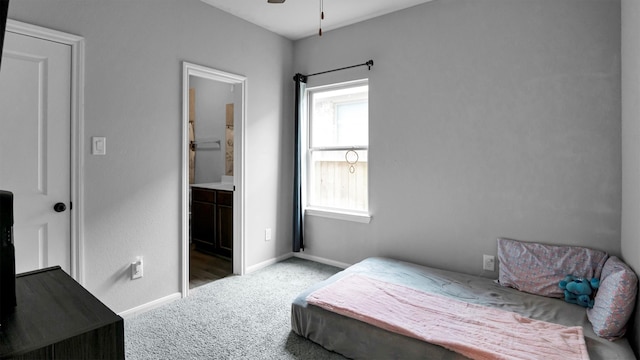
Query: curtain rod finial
{"type": "Point", "coordinates": [300, 77]}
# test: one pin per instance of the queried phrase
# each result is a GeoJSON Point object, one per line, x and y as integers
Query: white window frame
{"type": "Point", "coordinates": [327, 212]}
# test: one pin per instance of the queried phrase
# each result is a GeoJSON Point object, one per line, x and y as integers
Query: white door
{"type": "Point", "coordinates": [35, 154]}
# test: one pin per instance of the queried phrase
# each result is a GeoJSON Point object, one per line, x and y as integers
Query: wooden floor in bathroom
{"type": "Point", "coordinates": [205, 268]}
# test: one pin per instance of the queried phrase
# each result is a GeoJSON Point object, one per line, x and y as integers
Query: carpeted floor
{"type": "Point", "coordinates": [238, 317]}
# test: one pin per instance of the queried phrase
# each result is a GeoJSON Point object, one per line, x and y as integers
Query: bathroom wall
{"type": "Point", "coordinates": [211, 99]}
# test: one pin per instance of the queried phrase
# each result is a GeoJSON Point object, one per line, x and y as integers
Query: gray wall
{"type": "Point", "coordinates": [487, 118]}
{"type": "Point", "coordinates": [631, 143]}
{"type": "Point", "coordinates": [134, 54]}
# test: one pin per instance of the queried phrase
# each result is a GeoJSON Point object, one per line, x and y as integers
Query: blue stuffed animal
{"type": "Point", "coordinates": [579, 290]}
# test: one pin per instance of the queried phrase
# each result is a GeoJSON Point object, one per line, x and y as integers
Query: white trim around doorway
{"type": "Point", "coordinates": [190, 69]}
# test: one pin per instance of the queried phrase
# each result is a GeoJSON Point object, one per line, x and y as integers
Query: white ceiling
{"type": "Point", "coordinates": [296, 19]}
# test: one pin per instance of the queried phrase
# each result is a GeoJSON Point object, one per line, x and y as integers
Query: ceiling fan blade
{"type": "Point", "coordinates": [275, 1]}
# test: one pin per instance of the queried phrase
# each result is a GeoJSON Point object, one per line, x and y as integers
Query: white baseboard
{"type": "Point", "coordinates": [173, 297]}
{"type": "Point", "coordinates": [150, 305]}
{"type": "Point", "coordinates": [300, 255]}
{"type": "Point", "coordinates": [321, 260]}
{"type": "Point", "coordinates": [266, 263]}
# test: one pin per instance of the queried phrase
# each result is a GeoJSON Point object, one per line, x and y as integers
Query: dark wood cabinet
{"type": "Point", "coordinates": [224, 223]}
{"type": "Point", "coordinates": [203, 213]}
{"type": "Point", "coordinates": [212, 221]}
{"type": "Point", "coordinates": [56, 318]}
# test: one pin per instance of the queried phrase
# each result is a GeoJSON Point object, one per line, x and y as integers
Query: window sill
{"type": "Point", "coordinates": [339, 215]}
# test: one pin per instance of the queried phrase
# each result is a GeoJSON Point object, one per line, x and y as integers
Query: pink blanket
{"type": "Point", "coordinates": [475, 331]}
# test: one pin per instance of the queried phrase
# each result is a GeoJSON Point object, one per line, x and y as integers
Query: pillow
{"type": "Point", "coordinates": [537, 268]}
{"type": "Point", "coordinates": [614, 300]}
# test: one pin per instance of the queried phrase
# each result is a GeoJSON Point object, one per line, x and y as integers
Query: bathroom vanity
{"type": "Point", "coordinates": [212, 218]}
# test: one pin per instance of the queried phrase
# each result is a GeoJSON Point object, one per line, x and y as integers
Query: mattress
{"type": "Point", "coordinates": [358, 340]}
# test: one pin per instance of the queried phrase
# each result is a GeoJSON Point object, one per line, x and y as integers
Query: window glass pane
{"type": "Point", "coordinates": [353, 123]}
{"type": "Point", "coordinates": [340, 117]}
{"type": "Point", "coordinates": [339, 179]}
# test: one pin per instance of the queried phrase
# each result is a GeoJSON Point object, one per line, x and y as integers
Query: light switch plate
{"type": "Point", "coordinates": [99, 145]}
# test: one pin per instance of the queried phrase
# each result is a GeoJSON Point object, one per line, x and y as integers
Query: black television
{"type": "Point", "coordinates": [7, 256]}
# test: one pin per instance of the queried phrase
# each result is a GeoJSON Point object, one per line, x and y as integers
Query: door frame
{"type": "Point", "coordinates": [77, 44]}
{"type": "Point", "coordinates": [190, 69]}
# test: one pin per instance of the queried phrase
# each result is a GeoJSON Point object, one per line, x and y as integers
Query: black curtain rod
{"type": "Point", "coordinates": [303, 78]}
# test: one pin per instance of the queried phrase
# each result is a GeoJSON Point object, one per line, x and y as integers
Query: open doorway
{"type": "Point", "coordinates": [212, 149]}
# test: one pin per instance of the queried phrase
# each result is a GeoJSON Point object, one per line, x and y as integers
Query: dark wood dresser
{"type": "Point", "coordinates": [56, 318]}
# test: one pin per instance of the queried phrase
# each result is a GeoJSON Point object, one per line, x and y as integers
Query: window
{"type": "Point", "coordinates": [337, 148]}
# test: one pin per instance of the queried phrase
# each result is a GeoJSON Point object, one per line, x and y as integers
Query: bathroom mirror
{"type": "Point", "coordinates": [213, 118]}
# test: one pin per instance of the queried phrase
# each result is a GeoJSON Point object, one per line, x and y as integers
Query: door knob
{"type": "Point", "coordinates": [59, 207]}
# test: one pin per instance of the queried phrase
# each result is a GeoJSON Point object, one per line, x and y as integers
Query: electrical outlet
{"type": "Point", "coordinates": [267, 234]}
{"type": "Point", "coordinates": [136, 268]}
{"type": "Point", "coordinates": [488, 262]}
{"type": "Point", "coordinates": [98, 145]}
